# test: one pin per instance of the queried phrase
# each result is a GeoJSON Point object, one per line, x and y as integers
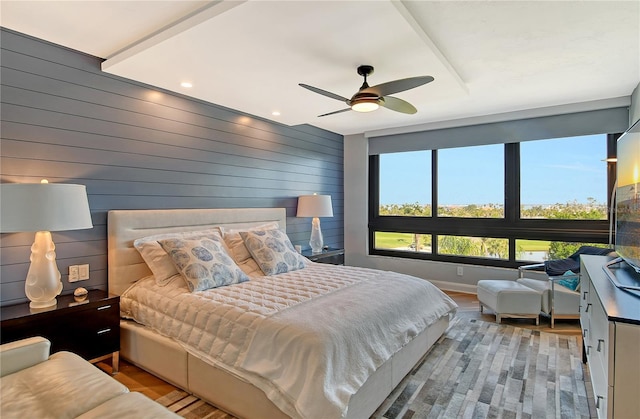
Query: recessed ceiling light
{"type": "Point", "coordinates": [275, 113]}
{"type": "Point", "coordinates": [186, 84]}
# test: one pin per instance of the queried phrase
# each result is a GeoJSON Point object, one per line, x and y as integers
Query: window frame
{"type": "Point", "coordinates": [511, 227]}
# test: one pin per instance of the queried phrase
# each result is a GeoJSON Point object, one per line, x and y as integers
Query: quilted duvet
{"type": "Point", "coordinates": [308, 338]}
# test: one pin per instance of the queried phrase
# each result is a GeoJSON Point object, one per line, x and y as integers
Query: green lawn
{"type": "Point", "coordinates": [534, 245]}
{"type": "Point", "coordinates": [386, 240]}
{"type": "Point", "coordinates": [393, 240]}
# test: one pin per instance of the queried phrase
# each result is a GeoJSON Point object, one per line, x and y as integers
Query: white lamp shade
{"type": "Point", "coordinates": [314, 206]}
{"type": "Point", "coordinates": [43, 207]}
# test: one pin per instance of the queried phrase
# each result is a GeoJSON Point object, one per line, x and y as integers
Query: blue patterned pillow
{"type": "Point", "coordinates": [273, 251]}
{"type": "Point", "coordinates": [203, 263]}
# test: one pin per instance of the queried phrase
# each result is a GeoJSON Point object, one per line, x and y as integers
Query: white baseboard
{"type": "Point", "coordinates": [452, 286]}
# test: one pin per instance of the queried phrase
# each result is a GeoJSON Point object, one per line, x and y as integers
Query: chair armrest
{"type": "Point", "coordinates": [25, 353]}
{"type": "Point", "coordinates": [535, 266]}
{"type": "Point", "coordinates": [559, 277]}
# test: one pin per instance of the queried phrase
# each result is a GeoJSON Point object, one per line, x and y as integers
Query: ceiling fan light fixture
{"type": "Point", "coordinates": [369, 98]}
{"type": "Point", "coordinates": [365, 105]}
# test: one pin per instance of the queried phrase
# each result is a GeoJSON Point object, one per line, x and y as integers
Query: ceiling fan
{"type": "Point", "coordinates": [369, 98]}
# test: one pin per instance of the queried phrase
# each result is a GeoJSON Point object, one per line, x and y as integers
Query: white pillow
{"type": "Point", "coordinates": [273, 251]}
{"type": "Point", "coordinates": [239, 252]}
{"type": "Point", "coordinates": [157, 259]}
{"type": "Point", "coordinates": [203, 262]}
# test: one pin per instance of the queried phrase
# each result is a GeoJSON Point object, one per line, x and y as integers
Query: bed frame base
{"type": "Point", "coordinates": [168, 360]}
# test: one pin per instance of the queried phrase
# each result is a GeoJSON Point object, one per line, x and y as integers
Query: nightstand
{"type": "Point", "coordinates": [89, 328]}
{"type": "Point", "coordinates": [331, 256]}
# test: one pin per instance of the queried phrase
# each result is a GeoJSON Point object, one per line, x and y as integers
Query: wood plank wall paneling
{"type": "Point", "coordinates": [138, 147]}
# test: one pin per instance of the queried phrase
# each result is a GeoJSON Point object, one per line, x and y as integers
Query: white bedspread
{"type": "Point", "coordinates": [309, 338]}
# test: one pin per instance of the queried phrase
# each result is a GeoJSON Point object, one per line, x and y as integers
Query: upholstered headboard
{"type": "Point", "coordinates": [126, 266]}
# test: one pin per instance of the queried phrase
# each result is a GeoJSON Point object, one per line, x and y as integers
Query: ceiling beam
{"type": "Point", "coordinates": [209, 11]}
{"type": "Point", "coordinates": [422, 34]}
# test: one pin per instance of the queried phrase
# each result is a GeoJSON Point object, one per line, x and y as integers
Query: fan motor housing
{"type": "Point", "coordinates": [364, 95]}
{"type": "Point", "coordinates": [365, 70]}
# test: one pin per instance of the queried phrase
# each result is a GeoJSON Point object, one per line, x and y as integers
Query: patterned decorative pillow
{"type": "Point", "coordinates": [239, 252]}
{"type": "Point", "coordinates": [203, 263]}
{"type": "Point", "coordinates": [273, 251]}
{"type": "Point", "coordinates": [157, 259]}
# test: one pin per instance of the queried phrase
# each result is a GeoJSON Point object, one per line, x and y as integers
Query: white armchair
{"type": "Point", "coordinates": [63, 385]}
{"type": "Point", "coordinates": [558, 302]}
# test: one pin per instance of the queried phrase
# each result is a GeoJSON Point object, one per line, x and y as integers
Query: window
{"type": "Point", "coordinates": [471, 182]}
{"type": "Point", "coordinates": [541, 250]}
{"type": "Point", "coordinates": [399, 169]}
{"type": "Point", "coordinates": [498, 204]}
{"type": "Point", "coordinates": [564, 178]}
{"type": "Point", "coordinates": [482, 247]}
{"type": "Point", "coordinates": [406, 242]}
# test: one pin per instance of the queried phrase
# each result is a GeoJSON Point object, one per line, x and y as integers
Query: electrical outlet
{"type": "Point", "coordinates": [460, 271]}
{"type": "Point", "coordinates": [83, 272]}
{"type": "Point", "coordinates": [74, 273]}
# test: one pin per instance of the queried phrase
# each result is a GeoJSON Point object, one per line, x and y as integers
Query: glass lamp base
{"type": "Point", "coordinates": [43, 285]}
{"type": "Point", "coordinates": [43, 304]}
{"type": "Point", "coordinates": [316, 241]}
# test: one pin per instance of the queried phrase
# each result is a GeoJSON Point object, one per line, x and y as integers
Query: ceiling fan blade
{"type": "Point", "coordinates": [398, 105]}
{"type": "Point", "coordinates": [334, 112]}
{"type": "Point", "coordinates": [396, 86]}
{"type": "Point", "coordinates": [324, 92]}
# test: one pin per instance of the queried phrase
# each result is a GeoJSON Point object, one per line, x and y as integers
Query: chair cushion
{"type": "Point", "coordinates": [129, 405]}
{"type": "Point", "coordinates": [64, 386]}
{"type": "Point", "coordinates": [565, 300]}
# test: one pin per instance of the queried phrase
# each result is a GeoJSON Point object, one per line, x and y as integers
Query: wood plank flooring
{"type": "Point", "coordinates": [139, 380]}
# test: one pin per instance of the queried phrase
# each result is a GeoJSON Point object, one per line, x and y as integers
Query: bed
{"type": "Point", "coordinates": [262, 362]}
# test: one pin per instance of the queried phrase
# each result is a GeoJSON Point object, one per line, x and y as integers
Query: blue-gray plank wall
{"type": "Point", "coordinates": [137, 147]}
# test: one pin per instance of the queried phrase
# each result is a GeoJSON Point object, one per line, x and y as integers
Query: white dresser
{"type": "Point", "coordinates": [610, 320]}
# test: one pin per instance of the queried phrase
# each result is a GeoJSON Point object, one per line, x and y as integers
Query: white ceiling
{"type": "Point", "coordinates": [487, 57]}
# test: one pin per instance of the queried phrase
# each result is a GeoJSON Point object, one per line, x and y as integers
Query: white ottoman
{"type": "Point", "coordinates": [509, 299]}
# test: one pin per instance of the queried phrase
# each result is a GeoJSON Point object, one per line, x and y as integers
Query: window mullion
{"type": "Point", "coordinates": [434, 198]}
{"type": "Point", "coordinates": [512, 183]}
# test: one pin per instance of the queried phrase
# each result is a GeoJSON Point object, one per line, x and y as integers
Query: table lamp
{"type": "Point", "coordinates": [43, 207]}
{"type": "Point", "coordinates": [315, 206]}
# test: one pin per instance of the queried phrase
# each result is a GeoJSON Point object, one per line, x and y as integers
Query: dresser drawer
{"type": "Point", "coordinates": [601, 390]}
{"type": "Point", "coordinates": [95, 333]}
{"type": "Point", "coordinates": [599, 339]}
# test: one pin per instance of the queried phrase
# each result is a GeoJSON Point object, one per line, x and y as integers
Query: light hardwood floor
{"type": "Point", "coordinates": [139, 380]}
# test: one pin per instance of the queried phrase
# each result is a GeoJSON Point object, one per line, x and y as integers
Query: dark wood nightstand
{"type": "Point", "coordinates": [331, 256]}
{"type": "Point", "coordinates": [89, 328]}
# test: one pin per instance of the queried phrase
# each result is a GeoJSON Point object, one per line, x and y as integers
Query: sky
{"type": "Point", "coordinates": [553, 171]}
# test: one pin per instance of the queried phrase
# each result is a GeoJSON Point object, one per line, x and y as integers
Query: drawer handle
{"type": "Point", "coordinates": [588, 349]}
{"type": "Point", "coordinates": [584, 333]}
{"type": "Point", "coordinates": [598, 401]}
{"type": "Point", "coordinates": [586, 310]}
{"type": "Point", "coordinates": [600, 342]}
{"type": "Point", "coordinates": [100, 332]}
{"type": "Point", "coordinates": [104, 307]}
{"type": "Point", "coordinates": [584, 295]}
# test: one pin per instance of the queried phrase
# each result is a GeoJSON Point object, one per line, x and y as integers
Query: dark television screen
{"type": "Point", "coordinates": [628, 197]}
